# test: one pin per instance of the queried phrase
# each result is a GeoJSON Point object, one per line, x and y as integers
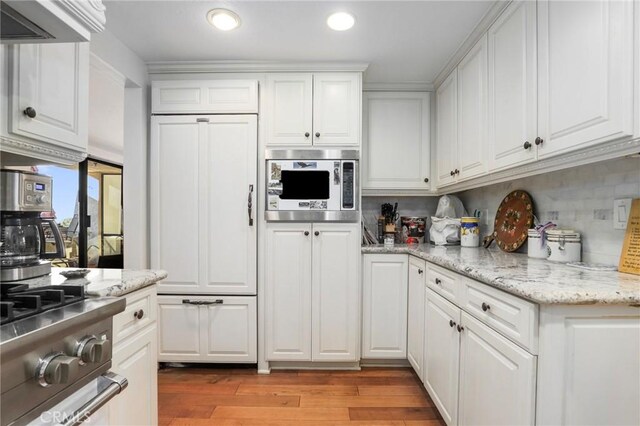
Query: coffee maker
{"type": "Point", "coordinates": [24, 196]}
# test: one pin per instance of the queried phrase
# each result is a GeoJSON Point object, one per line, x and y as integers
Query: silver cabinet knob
{"type": "Point", "coordinates": [57, 368]}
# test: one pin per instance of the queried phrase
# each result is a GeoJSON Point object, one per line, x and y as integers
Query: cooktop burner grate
{"type": "Point", "coordinates": [18, 301]}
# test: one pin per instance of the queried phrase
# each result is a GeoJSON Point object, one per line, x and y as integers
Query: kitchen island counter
{"type": "Point", "coordinates": [102, 282]}
{"type": "Point", "coordinates": [538, 280]}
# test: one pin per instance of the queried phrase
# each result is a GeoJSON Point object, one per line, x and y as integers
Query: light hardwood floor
{"type": "Point", "coordinates": [234, 396]}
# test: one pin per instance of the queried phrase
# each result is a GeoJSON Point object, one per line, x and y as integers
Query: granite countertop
{"type": "Point", "coordinates": [103, 282]}
{"type": "Point", "coordinates": [538, 280]}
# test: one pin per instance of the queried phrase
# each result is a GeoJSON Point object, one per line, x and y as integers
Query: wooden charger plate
{"type": "Point", "coordinates": [513, 220]}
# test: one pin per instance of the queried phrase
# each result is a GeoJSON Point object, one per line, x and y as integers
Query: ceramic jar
{"type": "Point", "coordinates": [564, 245]}
{"type": "Point", "coordinates": [537, 246]}
{"type": "Point", "coordinates": [469, 232]}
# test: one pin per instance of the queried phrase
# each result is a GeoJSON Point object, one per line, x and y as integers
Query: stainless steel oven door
{"type": "Point", "coordinates": [85, 404]}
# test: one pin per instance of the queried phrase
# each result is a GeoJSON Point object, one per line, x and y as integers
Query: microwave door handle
{"type": "Point", "coordinates": [59, 242]}
{"type": "Point", "coordinates": [250, 205]}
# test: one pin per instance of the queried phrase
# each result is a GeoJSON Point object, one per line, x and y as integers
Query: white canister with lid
{"type": "Point", "coordinates": [537, 247]}
{"type": "Point", "coordinates": [564, 245]}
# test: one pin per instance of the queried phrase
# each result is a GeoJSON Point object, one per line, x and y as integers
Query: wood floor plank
{"type": "Point", "coordinates": [385, 413]}
{"type": "Point", "coordinates": [201, 388]}
{"type": "Point", "coordinates": [266, 422]}
{"type": "Point", "coordinates": [200, 411]}
{"type": "Point", "coordinates": [272, 413]}
{"type": "Point", "coordinates": [364, 401]}
{"type": "Point", "coordinates": [438, 422]}
{"type": "Point", "coordinates": [299, 390]}
{"type": "Point", "coordinates": [314, 380]}
{"type": "Point", "coordinates": [232, 400]}
{"type": "Point", "coordinates": [365, 372]}
{"type": "Point", "coordinates": [390, 390]}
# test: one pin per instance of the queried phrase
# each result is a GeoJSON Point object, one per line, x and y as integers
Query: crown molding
{"type": "Point", "coordinates": [90, 13]}
{"type": "Point", "coordinates": [398, 87]}
{"type": "Point", "coordinates": [487, 20]}
{"type": "Point", "coordinates": [601, 152]}
{"type": "Point", "coordinates": [42, 151]}
{"type": "Point", "coordinates": [177, 67]}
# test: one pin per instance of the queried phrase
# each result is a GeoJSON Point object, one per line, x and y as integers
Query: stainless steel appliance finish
{"type": "Point", "coordinates": [46, 358]}
{"type": "Point", "coordinates": [16, 27]}
{"type": "Point", "coordinates": [23, 233]}
{"type": "Point", "coordinates": [312, 185]}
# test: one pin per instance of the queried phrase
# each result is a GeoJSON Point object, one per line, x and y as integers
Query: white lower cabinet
{"type": "Point", "coordinates": [207, 329]}
{"type": "Point", "coordinates": [311, 292]}
{"type": "Point", "coordinates": [494, 370]}
{"type": "Point", "coordinates": [384, 305]}
{"type": "Point", "coordinates": [471, 370]}
{"type": "Point", "coordinates": [135, 356]}
{"type": "Point", "coordinates": [415, 314]}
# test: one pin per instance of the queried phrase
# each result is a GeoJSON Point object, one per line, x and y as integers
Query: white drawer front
{"type": "Point", "coordinates": [515, 318]}
{"type": "Point", "coordinates": [443, 282]}
{"type": "Point", "coordinates": [141, 311]}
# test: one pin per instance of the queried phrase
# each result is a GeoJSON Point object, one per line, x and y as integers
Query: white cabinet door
{"type": "Point", "coordinates": [384, 294]}
{"type": "Point", "coordinates": [512, 86]}
{"type": "Point", "coordinates": [179, 329]}
{"type": "Point", "coordinates": [586, 73]}
{"type": "Point", "coordinates": [289, 109]}
{"type": "Point", "coordinates": [136, 359]}
{"type": "Point", "coordinates": [228, 329]}
{"type": "Point", "coordinates": [287, 292]}
{"type": "Point", "coordinates": [447, 130]}
{"type": "Point", "coordinates": [228, 253]}
{"type": "Point", "coordinates": [336, 108]}
{"type": "Point", "coordinates": [494, 370]}
{"type": "Point", "coordinates": [204, 97]}
{"type": "Point", "coordinates": [472, 112]}
{"type": "Point", "coordinates": [175, 203]}
{"type": "Point", "coordinates": [396, 140]}
{"type": "Point", "coordinates": [335, 294]}
{"type": "Point", "coordinates": [415, 315]}
{"type": "Point", "coordinates": [53, 80]}
{"type": "Point", "coordinates": [441, 355]}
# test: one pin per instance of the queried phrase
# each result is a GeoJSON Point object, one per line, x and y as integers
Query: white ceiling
{"type": "Point", "coordinates": [404, 41]}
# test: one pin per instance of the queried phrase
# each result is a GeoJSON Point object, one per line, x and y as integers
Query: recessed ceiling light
{"type": "Point", "coordinates": [223, 19]}
{"type": "Point", "coordinates": [340, 21]}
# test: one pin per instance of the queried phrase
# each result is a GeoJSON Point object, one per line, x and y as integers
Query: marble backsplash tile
{"type": "Point", "coordinates": [579, 198]}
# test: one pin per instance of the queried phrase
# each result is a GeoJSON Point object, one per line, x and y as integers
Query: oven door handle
{"type": "Point", "coordinates": [111, 384]}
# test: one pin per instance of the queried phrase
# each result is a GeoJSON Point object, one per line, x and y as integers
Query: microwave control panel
{"type": "Point", "coordinates": [348, 185]}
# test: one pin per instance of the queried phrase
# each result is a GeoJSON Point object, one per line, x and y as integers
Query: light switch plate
{"type": "Point", "coordinates": [621, 209]}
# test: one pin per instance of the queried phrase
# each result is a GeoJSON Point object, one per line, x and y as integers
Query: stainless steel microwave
{"type": "Point", "coordinates": [312, 185]}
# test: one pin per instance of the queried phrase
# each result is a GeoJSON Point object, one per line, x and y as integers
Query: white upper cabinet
{"type": "Point", "coordinates": [384, 306]}
{"type": "Point", "coordinates": [396, 141]}
{"type": "Point", "coordinates": [290, 109]}
{"type": "Point", "coordinates": [48, 100]}
{"type": "Point", "coordinates": [336, 290]}
{"type": "Point", "coordinates": [447, 129]}
{"type": "Point", "coordinates": [512, 86]}
{"type": "Point", "coordinates": [288, 292]}
{"type": "Point", "coordinates": [204, 96]}
{"type": "Point", "coordinates": [336, 109]}
{"type": "Point", "coordinates": [585, 73]}
{"type": "Point", "coordinates": [472, 112]}
{"type": "Point", "coordinates": [322, 109]}
{"type": "Point", "coordinates": [197, 161]}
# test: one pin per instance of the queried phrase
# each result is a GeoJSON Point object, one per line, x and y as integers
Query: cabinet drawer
{"type": "Point", "coordinates": [443, 282]}
{"type": "Point", "coordinates": [140, 312]}
{"type": "Point", "coordinates": [511, 316]}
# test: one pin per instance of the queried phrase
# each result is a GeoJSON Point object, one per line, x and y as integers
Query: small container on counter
{"type": "Point", "coordinates": [469, 232]}
{"type": "Point", "coordinates": [537, 246]}
{"type": "Point", "coordinates": [413, 229]}
{"type": "Point", "coordinates": [389, 240]}
{"type": "Point", "coordinates": [564, 245]}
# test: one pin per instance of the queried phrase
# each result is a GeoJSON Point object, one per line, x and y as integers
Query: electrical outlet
{"type": "Point", "coordinates": [621, 209]}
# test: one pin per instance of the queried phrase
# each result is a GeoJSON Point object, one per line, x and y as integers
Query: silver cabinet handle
{"type": "Point", "coordinates": [111, 385]}
{"type": "Point", "coordinates": [250, 205]}
{"type": "Point", "coordinates": [202, 302]}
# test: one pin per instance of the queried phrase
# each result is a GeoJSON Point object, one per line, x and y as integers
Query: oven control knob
{"type": "Point", "coordinates": [41, 199]}
{"type": "Point", "coordinates": [93, 350]}
{"type": "Point", "coordinates": [57, 368]}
